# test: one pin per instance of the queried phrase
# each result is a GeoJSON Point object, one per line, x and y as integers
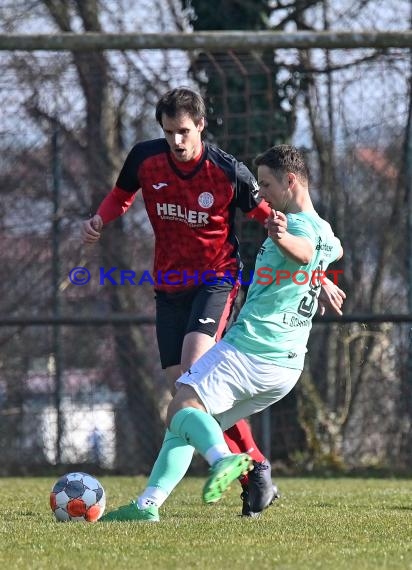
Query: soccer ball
{"type": "Point", "coordinates": [77, 497]}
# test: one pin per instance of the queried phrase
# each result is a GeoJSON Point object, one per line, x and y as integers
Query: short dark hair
{"type": "Point", "coordinates": [181, 100]}
{"type": "Point", "coordinates": [284, 158]}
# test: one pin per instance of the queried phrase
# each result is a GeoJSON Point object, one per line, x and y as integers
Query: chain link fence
{"type": "Point", "coordinates": [92, 393]}
{"type": "Point", "coordinates": [92, 415]}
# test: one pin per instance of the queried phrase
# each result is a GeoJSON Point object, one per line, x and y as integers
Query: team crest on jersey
{"type": "Point", "coordinates": [206, 200]}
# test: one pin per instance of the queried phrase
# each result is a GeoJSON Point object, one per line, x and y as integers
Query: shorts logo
{"type": "Point", "coordinates": [206, 200]}
{"type": "Point", "coordinates": [206, 321]}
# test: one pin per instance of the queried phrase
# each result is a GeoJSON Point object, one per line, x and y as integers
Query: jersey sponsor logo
{"type": "Point", "coordinates": [179, 213]}
{"type": "Point", "coordinates": [323, 246]}
{"type": "Point", "coordinates": [206, 200]}
{"type": "Point", "coordinates": [159, 185]}
{"type": "Point", "coordinates": [206, 321]}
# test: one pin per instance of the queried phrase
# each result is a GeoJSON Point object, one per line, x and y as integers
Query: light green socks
{"type": "Point", "coordinates": [189, 428]}
{"type": "Point", "coordinates": [171, 464]}
{"type": "Point", "coordinates": [201, 430]}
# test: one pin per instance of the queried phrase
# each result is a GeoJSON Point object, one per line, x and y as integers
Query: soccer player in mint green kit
{"type": "Point", "coordinates": [262, 355]}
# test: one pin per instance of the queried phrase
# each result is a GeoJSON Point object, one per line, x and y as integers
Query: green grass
{"type": "Point", "coordinates": [337, 524]}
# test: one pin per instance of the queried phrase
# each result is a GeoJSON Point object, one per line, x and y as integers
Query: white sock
{"type": "Point", "coordinates": [151, 497]}
{"type": "Point", "coordinates": [217, 452]}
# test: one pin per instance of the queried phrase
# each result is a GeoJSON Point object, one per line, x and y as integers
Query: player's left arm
{"type": "Point", "coordinates": [331, 297]}
{"type": "Point", "coordinates": [260, 213]}
{"type": "Point", "coordinates": [247, 199]}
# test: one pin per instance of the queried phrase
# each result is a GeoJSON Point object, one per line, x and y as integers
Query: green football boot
{"type": "Point", "coordinates": [223, 472]}
{"type": "Point", "coordinates": [132, 513]}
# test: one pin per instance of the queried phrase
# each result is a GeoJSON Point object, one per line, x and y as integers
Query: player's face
{"type": "Point", "coordinates": [183, 136]}
{"type": "Point", "coordinates": [277, 193]}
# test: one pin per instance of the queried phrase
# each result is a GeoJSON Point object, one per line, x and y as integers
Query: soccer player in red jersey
{"type": "Point", "coordinates": [191, 190]}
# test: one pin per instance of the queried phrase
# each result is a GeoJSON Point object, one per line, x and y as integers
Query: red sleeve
{"type": "Point", "coordinates": [260, 213]}
{"type": "Point", "coordinates": [116, 203]}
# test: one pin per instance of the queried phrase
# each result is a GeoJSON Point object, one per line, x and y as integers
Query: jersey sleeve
{"type": "Point", "coordinates": [337, 251]}
{"type": "Point", "coordinates": [332, 249]}
{"type": "Point", "coordinates": [247, 190]}
{"type": "Point", "coordinates": [299, 228]}
{"type": "Point", "coordinates": [128, 179]}
{"type": "Point", "coordinates": [122, 196]}
{"type": "Point", "coordinates": [260, 213]}
{"type": "Point", "coordinates": [115, 204]}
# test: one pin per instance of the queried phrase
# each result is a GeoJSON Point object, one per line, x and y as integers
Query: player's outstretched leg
{"type": "Point", "coordinates": [260, 492]}
{"type": "Point", "coordinates": [132, 512]}
{"type": "Point", "coordinates": [222, 473]}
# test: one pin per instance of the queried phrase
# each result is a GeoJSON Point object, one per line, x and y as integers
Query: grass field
{"type": "Point", "coordinates": [339, 524]}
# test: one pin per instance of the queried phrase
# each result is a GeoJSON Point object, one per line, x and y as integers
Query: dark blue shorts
{"type": "Point", "coordinates": [206, 309]}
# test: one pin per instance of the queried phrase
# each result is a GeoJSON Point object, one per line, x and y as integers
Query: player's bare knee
{"type": "Point", "coordinates": [186, 397]}
{"type": "Point", "coordinates": [172, 374]}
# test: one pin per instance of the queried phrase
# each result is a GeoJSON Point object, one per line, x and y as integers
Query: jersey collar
{"type": "Point", "coordinates": [188, 169]}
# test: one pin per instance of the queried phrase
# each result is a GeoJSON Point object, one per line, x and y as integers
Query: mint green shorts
{"type": "Point", "coordinates": [233, 385]}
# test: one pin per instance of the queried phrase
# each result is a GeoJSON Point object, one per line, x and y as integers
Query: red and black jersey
{"type": "Point", "coordinates": [191, 207]}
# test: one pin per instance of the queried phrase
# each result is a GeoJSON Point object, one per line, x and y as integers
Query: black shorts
{"type": "Point", "coordinates": [206, 309]}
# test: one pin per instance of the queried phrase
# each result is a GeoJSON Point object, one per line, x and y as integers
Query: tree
{"type": "Point", "coordinates": [91, 99]}
{"type": "Point", "coordinates": [348, 108]}
{"type": "Point", "coordinates": [359, 188]}
{"type": "Point", "coordinates": [249, 106]}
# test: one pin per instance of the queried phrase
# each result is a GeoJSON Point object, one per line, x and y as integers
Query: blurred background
{"type": "Point", "coordinates": [80, 379]}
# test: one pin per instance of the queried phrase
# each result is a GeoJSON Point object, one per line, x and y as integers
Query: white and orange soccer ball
{"type": "Point", "coordinates": [77, 497]}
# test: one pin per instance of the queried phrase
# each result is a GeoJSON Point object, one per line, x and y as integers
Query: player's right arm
{"type": "Point", "coordinates": [298, 248]}
{"type": "Point", "coordinates": [90, 229]}
{"type": "Point", "coordinates": [117, 202]}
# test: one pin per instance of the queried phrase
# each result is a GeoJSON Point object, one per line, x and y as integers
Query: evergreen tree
{"type": "Point", "coordinates": [244, 93]}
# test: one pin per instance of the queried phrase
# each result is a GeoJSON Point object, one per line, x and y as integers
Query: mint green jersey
{"type": "Point", "coordinates": [276, 318]}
